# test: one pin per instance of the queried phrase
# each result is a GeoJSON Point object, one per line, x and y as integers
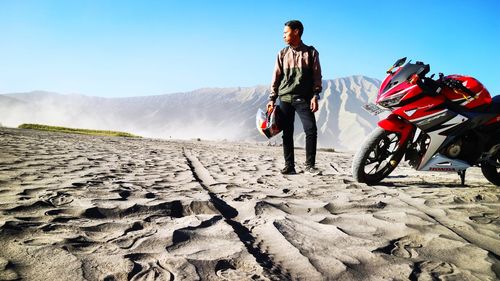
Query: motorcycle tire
{"type": "Point", "coordinates": [377, 149]}
{"type": "Point", "coordinates": [491, 172]}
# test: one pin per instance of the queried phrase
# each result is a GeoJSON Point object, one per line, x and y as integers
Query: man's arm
{"type": "Point", "coordinates": [314, 104]}
{"type": "Point", "coordinates": [317, 77]}
{"type": "Point", "coordinates": [317, 81]}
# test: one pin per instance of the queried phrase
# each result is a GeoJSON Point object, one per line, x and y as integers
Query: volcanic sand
{"type": "Point", "coordinates": [76, 207]}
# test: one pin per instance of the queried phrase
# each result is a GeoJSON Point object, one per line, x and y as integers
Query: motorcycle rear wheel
{"type": "Point", "coordinates": [491, 172]}
{"type": "Point", "coordinates": [378, 157]}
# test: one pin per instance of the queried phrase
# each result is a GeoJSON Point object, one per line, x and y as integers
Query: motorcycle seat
{"type": "Point", "coordinates": [495, 105]}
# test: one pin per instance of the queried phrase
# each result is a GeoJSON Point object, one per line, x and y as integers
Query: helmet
{"type": "Point", "coordinates": [267, 122]}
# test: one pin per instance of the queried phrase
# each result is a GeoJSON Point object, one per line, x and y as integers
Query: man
{"type": "Point", "coordinates": [297, 83]}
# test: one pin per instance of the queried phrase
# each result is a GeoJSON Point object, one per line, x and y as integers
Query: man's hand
{"type": "Point", "coordinates": [314, 104]}
{"type": "Point", "coordinates": [270, 104]}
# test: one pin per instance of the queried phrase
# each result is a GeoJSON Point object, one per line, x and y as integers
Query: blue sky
{"type": "Point", "coordinates": [118, 48]}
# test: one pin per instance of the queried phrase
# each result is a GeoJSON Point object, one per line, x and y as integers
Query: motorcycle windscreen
{"type": "Point", "coordinates": [403, 75]}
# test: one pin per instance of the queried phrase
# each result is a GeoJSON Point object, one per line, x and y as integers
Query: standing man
{"type": "Point", "coordinates": [297, 83]}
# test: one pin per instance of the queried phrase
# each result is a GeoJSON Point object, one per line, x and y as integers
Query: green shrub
{"type": "Point", "coordinates": [76, 131]}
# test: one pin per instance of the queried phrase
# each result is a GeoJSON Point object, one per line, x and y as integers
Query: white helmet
{"type": "Point", "coordinates": [267, 122]}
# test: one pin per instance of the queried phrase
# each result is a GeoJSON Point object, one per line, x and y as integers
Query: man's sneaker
{"type": "Point", "coordinates": [312, 170]}
{"type": "Point", "coordinates": [288, 170]}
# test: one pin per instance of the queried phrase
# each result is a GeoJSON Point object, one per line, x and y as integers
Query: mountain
{"type": "Point", "coordinates": [212, 113]}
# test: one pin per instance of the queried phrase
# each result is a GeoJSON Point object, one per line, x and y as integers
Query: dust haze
{"type": "Point", "coordinates": [210, 114]}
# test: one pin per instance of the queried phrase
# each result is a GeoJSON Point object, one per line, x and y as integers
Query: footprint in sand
{"type": "Point", "coordinates": [132, 238]}
{"type": "Point", "coordinates": [486, 218]}
{"type": "Point", "coordinates": [243, 197]}
{"type": "Point", "coordinates": [7, 270]}
{"type": "Point", "coordinates": [80, 244]}
{"type": "Point", "coordinates": [226, 271]}
{"type": "Point", "coordinates": [60, 199]}
{"type": "Point", "coordinates": [150, 195]}
{"type": "Point", "coordinates": [405, 248]}
{"type": "Point", "coordinates": [153, 270]}
{"type": "Point", "coordinates": [124, 194]}
{"type": "Point", "coordinates": [433, 270]}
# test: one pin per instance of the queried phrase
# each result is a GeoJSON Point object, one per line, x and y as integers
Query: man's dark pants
{"type": "Point", "coordinates": [287, 119]}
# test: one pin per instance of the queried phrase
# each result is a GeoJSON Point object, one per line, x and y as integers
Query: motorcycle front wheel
{"type": "Point", "coordinates": [492, 172]}
{"type": "Point", "coordinates": [377, 157]}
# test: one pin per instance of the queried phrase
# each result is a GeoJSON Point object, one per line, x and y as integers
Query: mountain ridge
{"type": "Point", "coordinates": [209, 113]}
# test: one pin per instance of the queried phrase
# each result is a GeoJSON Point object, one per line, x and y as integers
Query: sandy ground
{"type": "Point", "coordinates": [97, 208]}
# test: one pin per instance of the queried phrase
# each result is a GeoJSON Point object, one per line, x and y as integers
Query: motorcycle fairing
{"type": "Point", "coordinates": [432, 114]}
{"type": "Point", "coordinates": [441, 163]}
{"type": "Point", "coordinates": [434, 121]}
{"type": "Point", "coordinates": [447, 124]}
{"type": "Point", "coordinates": [398, 80]}
{"type": "Point", "coordinates": [438, 136]}
{"type": "Point", "coordinates": [394, 123]}
{"type": "Point", "coordinates": [481, 95]}
{"type": "Point", "coordinates": [421, 108]}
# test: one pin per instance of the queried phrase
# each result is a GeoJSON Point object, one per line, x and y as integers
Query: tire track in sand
{"type": "Point", "coordinates": [203, 177]}
{"type": "Point", "coordinates": [460, 229]}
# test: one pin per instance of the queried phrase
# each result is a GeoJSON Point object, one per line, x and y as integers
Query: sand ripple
{"type": "Point", "coordinates": [96, 208]}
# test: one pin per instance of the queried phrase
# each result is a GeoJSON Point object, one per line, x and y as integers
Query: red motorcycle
{"type": "Point", "coordinates": [448, 125]}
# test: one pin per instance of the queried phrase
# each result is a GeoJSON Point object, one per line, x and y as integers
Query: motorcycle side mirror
{"type": "Point", "coordinates": [398, 63]}
{"type": "Point", "coordinates": [432, 76]}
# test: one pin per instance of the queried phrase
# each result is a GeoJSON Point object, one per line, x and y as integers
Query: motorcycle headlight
{"type": "Point", "coordinates": [392, 100]}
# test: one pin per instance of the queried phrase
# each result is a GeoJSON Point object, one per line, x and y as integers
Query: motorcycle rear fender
{"type": "Point", "coordinates": [393, 123]}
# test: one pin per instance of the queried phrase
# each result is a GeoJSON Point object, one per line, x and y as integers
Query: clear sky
{"type": "Point", "coordinates": [118, 48]}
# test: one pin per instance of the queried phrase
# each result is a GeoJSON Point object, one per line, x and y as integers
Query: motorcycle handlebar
{"type": "Point", "coordinates": [434, 87]}
{"type": "Point", "coordinates": [457, 85]}
{"type": "Point", "coordinates": [429, 85]}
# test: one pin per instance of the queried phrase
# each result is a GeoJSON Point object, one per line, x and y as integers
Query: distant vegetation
{"type": "Point", "coordinates": [76, 131]}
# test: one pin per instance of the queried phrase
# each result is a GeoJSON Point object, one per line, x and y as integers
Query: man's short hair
{"type": "Point", "coordinates": [295, 24]}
